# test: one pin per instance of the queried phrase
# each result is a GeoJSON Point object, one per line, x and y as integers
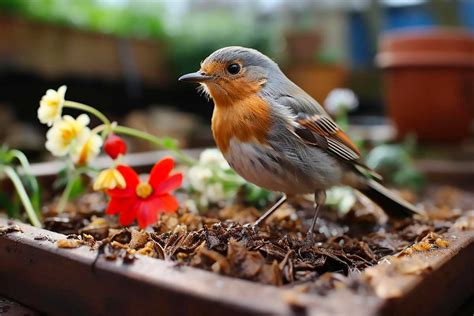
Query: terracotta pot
{"type": "Point", "coordinates": [302, 47]}
{"type": "Point", "coordinates": [328, 78]}
{"type": "Point", "coordinates": [429, 82]}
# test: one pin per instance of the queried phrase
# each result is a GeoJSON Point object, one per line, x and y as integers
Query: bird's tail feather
{"type": "Point", "coordinates": [392, 204]}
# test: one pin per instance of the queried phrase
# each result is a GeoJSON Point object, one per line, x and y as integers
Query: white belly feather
{"type": "Point", "coordinates": [262, 167]}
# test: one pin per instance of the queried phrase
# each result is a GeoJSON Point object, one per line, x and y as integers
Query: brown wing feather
{"type": "Point", "coordinates": [318, 130]}
{"type": "Point", "coordinates": [338, 142]}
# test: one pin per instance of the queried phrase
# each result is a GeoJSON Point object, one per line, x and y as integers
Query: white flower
{"type": "Point", "coordinates": [65, 132]}
{"type": "Point", "coordinates": [343, 198]}
{"type": "Point", "coordinates": [212, 178]}
{"type": "Point", "coordinates": [199, 177]}
{"type": "Point", "coordinates": [215, 192]}
{"type": "Point", "coordinates": [341, 99]}
{"type": "Point", "coordinates": [213, 157]}
{"type": "Point", "coordinates": [87, 148]}
{"type": "Point", "coordinates": [191, 206]}
{"type": "Point", "coordinates": [51, 106]}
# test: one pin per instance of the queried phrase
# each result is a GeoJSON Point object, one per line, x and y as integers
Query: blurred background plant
{"type": "Point", "coordinates": [15, 166]}
{"type": "Point", "coordinates": [212, 182]}
{"type": "Point", "coordinates": [134, 50]}
{"type": "Point", "coordinates": [134, 18]}
{"type": "Point", "coordinates": [124, 56]}
{"type": "Point", "coordinates": [395, 162]}
{"type": "Point", "coordinates": [339, 103]}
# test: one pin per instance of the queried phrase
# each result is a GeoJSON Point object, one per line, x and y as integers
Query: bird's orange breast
{"type": "Point", "coordinates": [247, 119]}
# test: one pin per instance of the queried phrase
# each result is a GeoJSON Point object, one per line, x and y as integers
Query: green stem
{"type": "Point", "coordinates": [87, 108]}
{"type": "Point", "coordinates": [66, 193]}
{"type": "Point", "coordinates": [98, 129]}
{"type": "Point", "coordinates": [128, 131]}
{"type": "Point", "coordinates": [35, 191]}
{"type": "Point", "coordinates": [154, 140]}
{"type": "Point", "coordinates": [20, 189]}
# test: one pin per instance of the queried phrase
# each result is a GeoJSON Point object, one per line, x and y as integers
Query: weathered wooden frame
{"type": "Point", "coordinates": [35, 272]}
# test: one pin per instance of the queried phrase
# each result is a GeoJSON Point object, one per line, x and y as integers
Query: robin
{"type": "Point", "coordinates": [276, 136]}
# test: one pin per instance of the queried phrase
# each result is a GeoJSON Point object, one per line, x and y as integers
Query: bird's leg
{"type": "Point", "coordinates": [267, 214]}
{"type": "Point", "coordinates": [319, 199]}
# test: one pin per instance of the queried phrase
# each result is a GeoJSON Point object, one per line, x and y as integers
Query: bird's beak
{"type": "Point", "coordinates": [197, 76]}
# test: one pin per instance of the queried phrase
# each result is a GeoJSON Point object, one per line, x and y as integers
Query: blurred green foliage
{"type": "Point", "coordinates": [395, 163]}
{"type": "Point", "coordinates": [189, 37]}
{"type": "Point", "coordinates": [15, 165]}
{"type": "Point", "coordinates": [134, 18]}
{"type": "Point", "coordinates": [203, 32]}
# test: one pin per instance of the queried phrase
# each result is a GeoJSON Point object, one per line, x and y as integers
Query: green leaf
{"type": "Point", "coordinates": [61, 179]}
{"type": "Point", "coordinates": [256, 195]}
{"type": "Point", "coordinates": [409, 178]}
{"type": "Point", "coordinates": [6, 156]}
{"type": "Point", "coordinates": [32, 186]}
{"type": "Point", "coordinates": [7, 204]}
{"type": "Point", "coordinates": [30, 182]}
{"type": "Point", "coordinates": [388, 159]}
{"type": "Point", "coordinates": [78, 188]}
{"type": "Point", "coordinates": [16, 202]}
{"type": "Point", "coordinates": [229, 186]}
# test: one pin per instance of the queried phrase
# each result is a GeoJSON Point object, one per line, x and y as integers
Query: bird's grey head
{"type": "Point", "coordinates": [234, 68]}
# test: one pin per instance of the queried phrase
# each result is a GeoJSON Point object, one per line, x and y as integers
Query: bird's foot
{"type": "Point", "coordinates": [309, 240]}
{"type": "Point", "coordinates": [252, 227]}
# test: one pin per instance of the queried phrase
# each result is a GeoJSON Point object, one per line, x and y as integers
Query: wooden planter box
{"type": "Point", "coordinates": [36, 273]}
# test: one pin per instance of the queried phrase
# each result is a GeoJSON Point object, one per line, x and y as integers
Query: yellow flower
{"type": "Point", "coordinates": [65, 132]}
{"type": "Point", "coordinates": [109, 179]}
{"type": "Point", "coordinates": [51, 106]}
{"type": "Point", "coordinates": [87, 148]}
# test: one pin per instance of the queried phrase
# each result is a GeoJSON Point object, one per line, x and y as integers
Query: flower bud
{"type": "Point", "coordinates": [115, 146]}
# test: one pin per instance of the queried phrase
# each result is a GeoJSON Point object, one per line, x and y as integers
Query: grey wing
{"type": "Point", "coordinates": [315, 128]}
{"type": "Point", "coordinates": [301, 104]}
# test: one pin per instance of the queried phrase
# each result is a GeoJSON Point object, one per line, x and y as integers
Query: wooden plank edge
{"type": "Point", "coordinates": [62, 281]}
{"type": "Point", "coordinates": [445, 280]}
{"type": "Point", "coordinates": [141, 159]}
{"type": "Point", "coordinates": [150, 285]}
{"type": "Point", "coordinates": [435, 282]}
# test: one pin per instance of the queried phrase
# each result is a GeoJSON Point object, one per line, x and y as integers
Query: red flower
{"type": "Point", "coordinates": [144, 200]}
{"type": "Point", "coordinates": [115, 146]}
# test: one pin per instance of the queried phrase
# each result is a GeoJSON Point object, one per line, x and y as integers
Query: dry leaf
{"type": "Point", "coordinates": [69, 243]}
{"type": "Point", "coordinates": [139, 238]}
{"type": "Point", "coordinates": [441, 243]}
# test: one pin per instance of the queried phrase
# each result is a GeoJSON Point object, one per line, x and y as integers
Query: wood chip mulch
{"type": "Point", "coordinates": [277, 253]}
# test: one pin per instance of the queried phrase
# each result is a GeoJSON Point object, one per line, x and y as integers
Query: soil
{"type": "Point", "coordinates": [277, 253]}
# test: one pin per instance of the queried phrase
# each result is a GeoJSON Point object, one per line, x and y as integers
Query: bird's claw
{"type": "Point", "coordinates": [251, 226]}
{"type": "Point", "coordinates": [309, 240]}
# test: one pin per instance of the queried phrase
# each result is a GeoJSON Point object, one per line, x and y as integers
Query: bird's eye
{"type": "Point", "coordinates": [233, 69]}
